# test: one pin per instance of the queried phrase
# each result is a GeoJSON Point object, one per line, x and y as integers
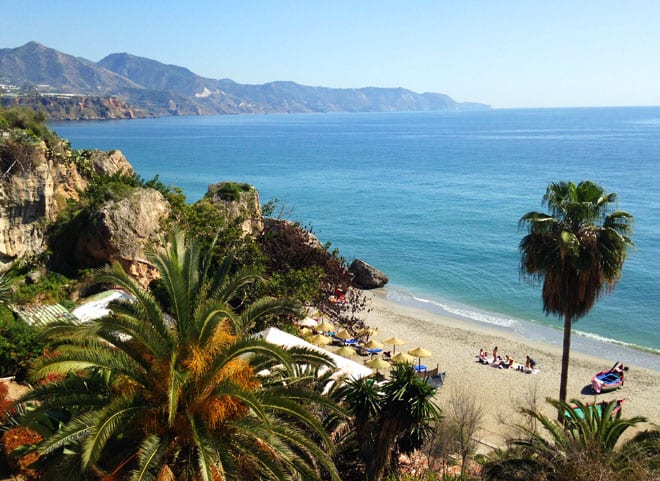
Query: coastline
{"type": "Point", "coordinates": [454, 343]}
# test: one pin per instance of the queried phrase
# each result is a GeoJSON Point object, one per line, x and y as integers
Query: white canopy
{"type": "Point", "coordinates": [344, 366]}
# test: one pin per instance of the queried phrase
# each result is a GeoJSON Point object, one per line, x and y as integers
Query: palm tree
{"type": "Point", "coordinates": [393, 417]}
{"type": "Point", "coordinates": [578, 250]}
{"type": "Point", "coordinates": [585, 447]}
{"type": "Point", "coordinates": [147, 396]}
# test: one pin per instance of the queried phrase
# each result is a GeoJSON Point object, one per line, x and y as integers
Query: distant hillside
{"type": "Point", "coordinates": [145, 87]}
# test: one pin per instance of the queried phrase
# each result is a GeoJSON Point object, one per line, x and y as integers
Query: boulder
{"type": "Point", "coordinates": [366, 276]}
{"type": "Point", "coordinates": [110, 163]}
{"type": "Point", "coordinates": [123, 230]}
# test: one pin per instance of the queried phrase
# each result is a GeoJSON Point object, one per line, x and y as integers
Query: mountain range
{"type": "Point", "coordinates": [141, 87]}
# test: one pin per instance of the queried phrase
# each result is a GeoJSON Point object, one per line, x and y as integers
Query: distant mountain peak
{"type": "Point", "coordinates": [162, 89]}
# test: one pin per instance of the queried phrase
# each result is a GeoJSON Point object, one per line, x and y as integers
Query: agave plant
{"type": "Point", "coordinates": [587, 445]}
{"type": "Point", "coordinates": [184, 396]}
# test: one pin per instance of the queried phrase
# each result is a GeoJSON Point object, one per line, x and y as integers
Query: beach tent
{"type": "Point", "coordinates": [344, 366]}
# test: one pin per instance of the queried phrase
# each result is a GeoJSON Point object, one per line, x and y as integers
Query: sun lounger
{"type": "Point", "coordinates": [436, 380]}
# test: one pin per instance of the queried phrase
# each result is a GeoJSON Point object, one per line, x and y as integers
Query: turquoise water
{"type": "Point", "coordinates": [431, 199]}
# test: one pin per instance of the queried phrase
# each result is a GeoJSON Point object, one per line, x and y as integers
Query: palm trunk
{"type": "Point", "coordinates": [382, 452]}
{"type": "Point", "coordinates": [563, 381]}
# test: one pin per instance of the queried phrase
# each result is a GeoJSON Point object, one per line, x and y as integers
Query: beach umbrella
{"type": "Point", "coordinates": [395, 341]}
{"type": "Point", "coordinates": [320, 340]}
{"type": "Point", "coordinates": [325, 326]}
{"type": "Point", "coordinates": [403, 358]}
{"type": "Point", "coordinates": [373, 344]}
{"type": "Point", "coordinates": [308, 322]}
{"type": "Point", "coordinates": [343, 334]}
{"type": "Point", "coordinates": [377, 363]}
{"type": "Point", "coordinates": [345, 351]}
{"type": "Point", "coordinates": [420, 352]}
{"type": "Point", "coordinates": [367, 332]}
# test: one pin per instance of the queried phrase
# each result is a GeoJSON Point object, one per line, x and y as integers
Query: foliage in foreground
{"type": "Point", "coordinates": [579, 448]}
{"type": "Point", "coordinates": [391, 418]}
{"type": "Point", "coordinates": [145, 396]}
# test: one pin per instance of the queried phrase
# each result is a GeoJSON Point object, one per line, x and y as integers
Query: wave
{"type": "Point", "coordinates": [608, 340]}
{"type": "Point", "coordinates": [462, 312]}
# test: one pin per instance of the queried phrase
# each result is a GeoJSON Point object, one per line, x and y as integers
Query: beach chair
{"type": "Point", "coordinates": [437, 380]}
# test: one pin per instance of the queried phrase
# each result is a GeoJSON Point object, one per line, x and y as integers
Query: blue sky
{"type": "Point", "coordinates": [506, 53]}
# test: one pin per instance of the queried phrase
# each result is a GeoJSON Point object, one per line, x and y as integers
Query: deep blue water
{"type": "Point", "coordinates": [431, 199]}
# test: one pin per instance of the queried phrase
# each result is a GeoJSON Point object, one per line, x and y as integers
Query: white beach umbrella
{"type": "Point", "coordinates": [308, 322]}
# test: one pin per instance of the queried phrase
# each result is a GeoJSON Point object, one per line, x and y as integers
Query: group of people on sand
{"type": "Point", "coordinates": [506, 362]}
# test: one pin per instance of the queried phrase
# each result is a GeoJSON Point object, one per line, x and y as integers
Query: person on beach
{"type": "Point", "coordinates": [482, 358]}
{"type": "Point", "coordinates": [495, 354]}
{"type": "Point", "coordinates": [530, 363]}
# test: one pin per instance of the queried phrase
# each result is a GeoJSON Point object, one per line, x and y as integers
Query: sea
{"type": "Point", "coordinates": [432, 199]}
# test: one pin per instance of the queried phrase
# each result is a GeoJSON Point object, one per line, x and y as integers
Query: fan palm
{"type": "Point", "coordinates": [585, 447]}
{"type": "Point", "coordinates": [183, 397]}
{"type": "Point", "coordinates": [578, 251]}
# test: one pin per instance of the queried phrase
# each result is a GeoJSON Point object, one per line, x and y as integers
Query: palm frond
{"type": "Point", "coordinates": [151, 453]}
{"type": "Point", "coordinates": [107, 422]}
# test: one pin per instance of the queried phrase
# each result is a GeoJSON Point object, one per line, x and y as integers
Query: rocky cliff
{"type": "Point", "coordinates": [34, 187]}
{"type": "Point", "coordinates": [36, 183]}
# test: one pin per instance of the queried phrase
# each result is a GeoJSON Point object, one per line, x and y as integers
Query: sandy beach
{"type": "Point", "coordinates": [455, 343]}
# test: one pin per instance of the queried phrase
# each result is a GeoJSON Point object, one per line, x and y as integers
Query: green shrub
{"type": "Point", "coordinates": [53, 288]}
{"type": "Point", "coordinates": [19, 346]}
{"type": "Point", "coordinates": [230, 191]}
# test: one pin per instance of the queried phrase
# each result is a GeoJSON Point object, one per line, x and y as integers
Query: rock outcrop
{"type": "Point", "coordinates": [123, 230]}
{"type": "Point", "coordinates": [238, 201]}
{"type": "Point", "coordinates": [366, 276]}
{"type": "Point", "coordinates": [110, 163]}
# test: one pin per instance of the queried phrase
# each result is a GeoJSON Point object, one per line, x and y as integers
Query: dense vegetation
{"type": "Point", "coordinates": [175, 386]}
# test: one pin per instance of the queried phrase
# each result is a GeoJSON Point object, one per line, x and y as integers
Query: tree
{"type": "Point", "coordinates": [578, 250]}
{"type": "Point", "coordinates": [393, 417]}
{"type": "Point", "coordinates": [185, 396]}
{"type": "Point", "coordinates": [587, 446]}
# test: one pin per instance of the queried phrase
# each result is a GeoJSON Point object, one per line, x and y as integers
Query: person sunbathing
{"type": "Point", "coordinates": [483, 357]}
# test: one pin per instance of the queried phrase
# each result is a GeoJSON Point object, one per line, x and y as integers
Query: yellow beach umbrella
{"type": "Point", "coordinates": [320, 340]}
{"type": "Point", "coordinates": [377, 363]}
{"type": "Point", "coordinates": [345, 351]}
{"type": "Point", "coordinates": [325, 326]}
{"type": "Point", "coordinates": [395, 341]}
{"type": "Point", "coordinates": [368, 332]}
{"type": "Point", "coordinates": [373, 344]}
{"type": "Point", "coordinates": [403, 358]}
{"type": "Point", "coordinates": [343, 334]}
{"type": "Point", "coordinates": [420, 352]}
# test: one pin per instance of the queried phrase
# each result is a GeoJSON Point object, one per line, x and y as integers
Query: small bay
{"type": "Point", "coordinates": [432, 199]}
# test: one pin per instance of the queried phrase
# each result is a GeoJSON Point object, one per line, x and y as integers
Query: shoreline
{"type": "Point", "coordinates": [581, 342]}
{"type": "Point", "coordinates": [500, 393]}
